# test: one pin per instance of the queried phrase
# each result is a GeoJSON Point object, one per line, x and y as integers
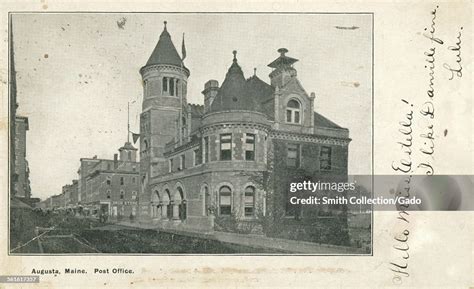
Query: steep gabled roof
{"type": "Point", "coordinates": [259, 89]}
{"type": "Point", "coordinates": [165, 52]}
{"type": "Point", "coordinates": [321, 121]}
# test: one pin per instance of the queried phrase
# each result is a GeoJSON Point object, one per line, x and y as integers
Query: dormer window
{"type": "Point", "coordinates": [293, 111]}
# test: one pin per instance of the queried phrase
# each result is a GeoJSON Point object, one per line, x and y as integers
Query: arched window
{"type": "Point", "coordinates": [225, 201]}
{"type": "Point", "coordinates": [293, 111]}
{"type": "Point", "coordinates": [155, 200]}
{"type": "Point", "coordinates": [249, 201]}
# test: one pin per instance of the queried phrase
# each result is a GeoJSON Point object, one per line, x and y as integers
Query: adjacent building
{"type": "Point", "coordinates": [21, 187]}
{"type": "Point", "coordinates": [109, 186]}
{"type": "Point", "coordinates": [71, 192]}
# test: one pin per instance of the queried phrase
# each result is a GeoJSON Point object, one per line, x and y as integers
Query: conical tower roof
{"type": "Point", "coordinates": [165, 52]}
{"type": "Point", "coordinates": [234, 94]}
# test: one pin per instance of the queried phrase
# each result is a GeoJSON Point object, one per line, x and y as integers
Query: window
{"type": "Point", "coordinates": [184, 130]}
{"type": "Point", "coordinates": [206, 201]}
{"type": "Point", "coordinates": [325, 158]}
{"type": "Point", "coordinates": [182, 164]}
{"type": "Point", "coordinates": [134, 195]}
{"type": "Point", "coordinates": [293, 155]}
{"type": "Point", "coordinates": [109, 167]}
{"type": "Point", "coordinates": [108, 194]}
{"type": "Point", "coordinates": [177, 87]}
{"type": "Point", "coordinates": [249, 147]}
{"type": "Point", "coordinates": [226, 147]}
{"type": "Point", "coordinates": [122, 195]}
{"type": "Point", "coordinates": [293, 110]}
{"type": "Point", "coordinates": [108, 181]}
{"type": "Point", "coordinates": [133, 180]}
{"type": "Point", "coordinates": [206, 149]}
{"type": "Point", "coordinates": [170, 163]}
{"type": "Point", "coordinates": [165, 84]}
{"type": "Point", "coordinates": [225, 201]}
{"type": "Point", "coordinates": [197, 157]}
{"type": "Point", "coordinates": [121, 181]}
{"type": "Point", "coordinates": [171, 86]}
{"type": "Point", "coordinates": [129, 155]}
{"type": "Point", "coordinates": [249, 201]}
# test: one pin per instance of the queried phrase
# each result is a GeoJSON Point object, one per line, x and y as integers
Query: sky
{"type": "Point", "coordinates": [77, 72]}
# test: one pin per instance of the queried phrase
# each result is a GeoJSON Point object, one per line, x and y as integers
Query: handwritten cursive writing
{"type": "Point", "coordinates": [457, 49]}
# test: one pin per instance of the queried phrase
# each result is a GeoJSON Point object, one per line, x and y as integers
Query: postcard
{"type": "Point", "coordinates": [234, 144]}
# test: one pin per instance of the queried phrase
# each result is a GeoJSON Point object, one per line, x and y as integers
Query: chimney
{"type": "Point", "coordinates": [210, 91]}
{"type": "Point", "coordinates": [115, 161]}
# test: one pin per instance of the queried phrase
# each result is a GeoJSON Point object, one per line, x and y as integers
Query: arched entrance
{"type": "Point", "coordinates": [166, 207]}
{"type": "Point", "coordinates": [155, 205]}
{"type": "Point", "coordinates": [179, 205]}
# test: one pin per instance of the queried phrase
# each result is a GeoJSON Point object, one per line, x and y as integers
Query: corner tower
{"type": "Point", "coordinates": [164, 100]}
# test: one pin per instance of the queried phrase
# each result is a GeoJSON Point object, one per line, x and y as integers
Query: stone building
{"type": "Point", "coordinates": [109, 186]}
{"type": "Point", "coordinates": [21, 187]}
{"type": "Point", "coordinates": [234, 156]}
{"type": "Point", "coordinates": [57, 202]}
{"type": "Point", "coordinates": [71, 192]}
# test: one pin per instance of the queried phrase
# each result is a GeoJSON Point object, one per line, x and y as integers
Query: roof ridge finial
{"type": "Point", "coordinates": [165, 22]}
{"type": "Point", "coordinates": [282, 51]}
{"type": "Point", "coordinates": [235, 56]}
{"type": "Point", "coordinates": [254, 71]}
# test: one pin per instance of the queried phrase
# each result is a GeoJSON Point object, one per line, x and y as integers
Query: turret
{"type": "Point", "coordinates": [164, 108]}
{"type": "Point", "coordinates": [283, 69]}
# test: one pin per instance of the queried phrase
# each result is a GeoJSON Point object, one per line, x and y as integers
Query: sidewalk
{"type": "Point", "coordinates": [259, 241]}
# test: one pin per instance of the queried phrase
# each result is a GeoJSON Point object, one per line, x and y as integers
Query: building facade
{"type": "Point", "coordinates": [71, 192]}
{"type": "Point", "coordinates": [109, 186]}
{"type": "Point", "coordinates": [21, 186]}
{"type": "Point", "coordinates": [234, 156]}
